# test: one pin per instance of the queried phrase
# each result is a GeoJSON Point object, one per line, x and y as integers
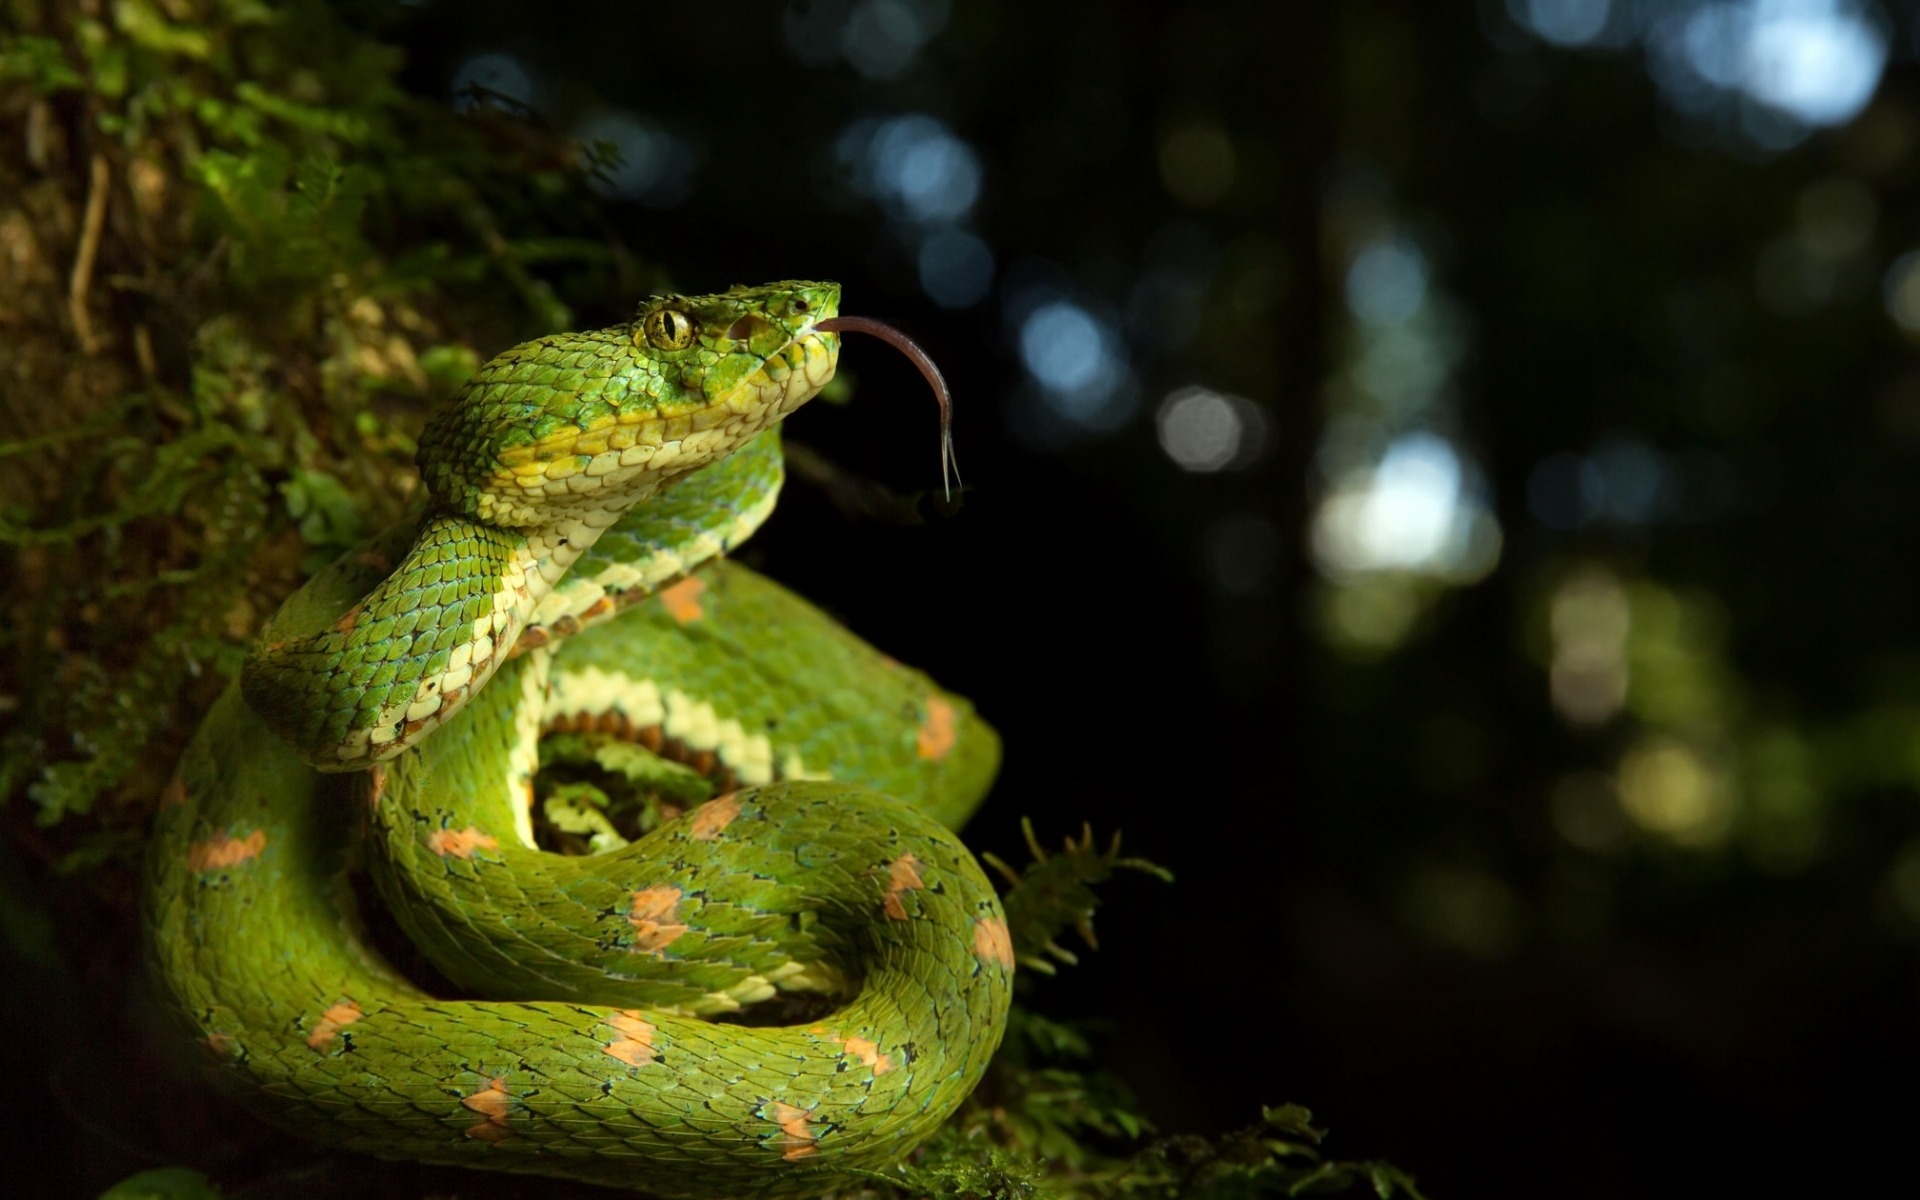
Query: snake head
{"type": "Point", "coordinates": [583, 423]}
{"type": "Point", "coordinates": [546, 447]}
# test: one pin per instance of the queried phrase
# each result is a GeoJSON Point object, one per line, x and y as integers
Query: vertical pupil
{"type": "Point", "coordinates": [672, 327]}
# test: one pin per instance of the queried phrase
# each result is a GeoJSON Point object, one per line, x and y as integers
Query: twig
{"type": "Point", "coordinates": [82, 277]}
{"type": "Point", "coordinates": [143, 351]}
{"type": "Point", "coordinates": [39, 119]}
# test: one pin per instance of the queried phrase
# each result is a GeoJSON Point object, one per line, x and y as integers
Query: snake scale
{"type": "Point", "coordinates": [801, 969]}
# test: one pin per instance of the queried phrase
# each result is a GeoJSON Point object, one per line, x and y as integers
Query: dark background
{"type": "Point", "coordinates": [1579, 858]}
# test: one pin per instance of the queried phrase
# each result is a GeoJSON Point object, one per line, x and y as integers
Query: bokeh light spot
{"type": "Point", "coordinates": [1623, 481]}
{"type": "Point", "coordinates": [1366, 618]}
{"type": "Point", "coordinates": [914, 165]}
{"type": "Point", "coordinates": [653, 167]}
{"type": "Point", "coordinates": [1589, 619]}
{"type": "Point", "coordinates": [1563, 22]}
{"type": "Point", "coordinates": [1633, 480]}
{"type": "Point", "coordinates": [1818, 60]}
{"type": "Point", "coordinates": [1076, 360]}
{"type": "Point", "coordinates": [956, 268]}
{"type": "Point", "coordinates": [882, 38]}
{"type": "Point", "coordinates": [1203, 430]}
{"type": "Point", "coordinates": [1410, 512]}
{"type": "Point", "coordinates": [1387, 281]}
{"type": "Point", "coordinates": [504, 75]}
{"type": "Point", "coordinates": [1806, 63]}
{"type": "Point", "coordinates": [1061, 344]}
{"type": "Point", "coordinates": [1669, 789]}
{"type": "Point", "coordinates": [1902, 291]}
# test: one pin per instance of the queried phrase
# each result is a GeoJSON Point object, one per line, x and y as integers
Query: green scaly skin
{"type": "Point", "coordinates": [829, 874]}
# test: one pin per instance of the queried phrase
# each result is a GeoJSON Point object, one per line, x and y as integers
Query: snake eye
{"type": "Point", "coordinates": [669, 329]}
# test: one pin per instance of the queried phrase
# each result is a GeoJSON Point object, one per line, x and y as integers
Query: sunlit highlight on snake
{"type": "Point", "coordinates": [554, 581]}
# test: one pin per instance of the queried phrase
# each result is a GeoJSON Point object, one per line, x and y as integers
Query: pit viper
{"type": "Point", "coordinates": [800, 970]}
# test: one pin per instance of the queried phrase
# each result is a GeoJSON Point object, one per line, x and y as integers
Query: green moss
{"type": "Point", "coordinates": [310, 252]}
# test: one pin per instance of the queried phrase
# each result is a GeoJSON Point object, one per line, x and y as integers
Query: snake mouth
{"type": "Point", "coordinates": [788, 377]}
{"type": "Point", "coordinates": [832, 324]}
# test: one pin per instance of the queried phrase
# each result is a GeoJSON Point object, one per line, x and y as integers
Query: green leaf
{"type": "Point", "coordinates": [448, 366]}
{"type": "Point", "coordinates": [327, 514]}
{"type": "Point", "coordinates": [330, 198]}
{"type": "Point", "coordinates": [145, 25]}
{"type": "Point", "coordinates": [1055, 893]}
{"type": "Point", "coordinates": [42, 63]}
{"type": "Point", "coordinates": [345, 124]}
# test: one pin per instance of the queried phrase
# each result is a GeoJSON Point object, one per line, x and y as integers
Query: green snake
{"type": "Point", "coordinates": [801, 970]}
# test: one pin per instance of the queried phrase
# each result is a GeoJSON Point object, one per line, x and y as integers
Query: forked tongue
{"type": "Point", "coordinates": [949, 468]}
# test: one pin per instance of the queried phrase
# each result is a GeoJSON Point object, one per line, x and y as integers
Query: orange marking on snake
{"type": "Point", "coordinates": [634, 1046]}
{"type": "Point", "coordinates": [682, 600]}
{"type": "Point", "coordinates": [220, 851]}
{"type": "Point", "coordinates": [796, 1124]}
{"type": "Point", "coordinates": [461, 843]}
{"type": "Point", "coordinates": [903, 876]}
{"type": "Point", "coordinates": [348, 620]}
{"type": "Point", "coordinates": [376, 784]}
{"type": "Point", "coordinates": [175, 793]}
{"type": "Point", "coordinates": [655, 916]}
{"type": "Point", "coordinates": [939, 731]}
{"type": "Point", "coordinates": [493, 1103]}
{"type": "Point", "coordinates": [713, 816]}
{"type": "Point", "coordinates": [868, 1053]}
{"type": "Point", "coordinates": [331, 1022]}
{"type": "Point", "coordinates": [220, 1043]}
{"type": "Point", "coordinates": [993, 942]}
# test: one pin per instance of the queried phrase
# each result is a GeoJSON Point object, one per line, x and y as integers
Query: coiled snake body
{"type": "Point", "coordinates": [572, 1033]}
